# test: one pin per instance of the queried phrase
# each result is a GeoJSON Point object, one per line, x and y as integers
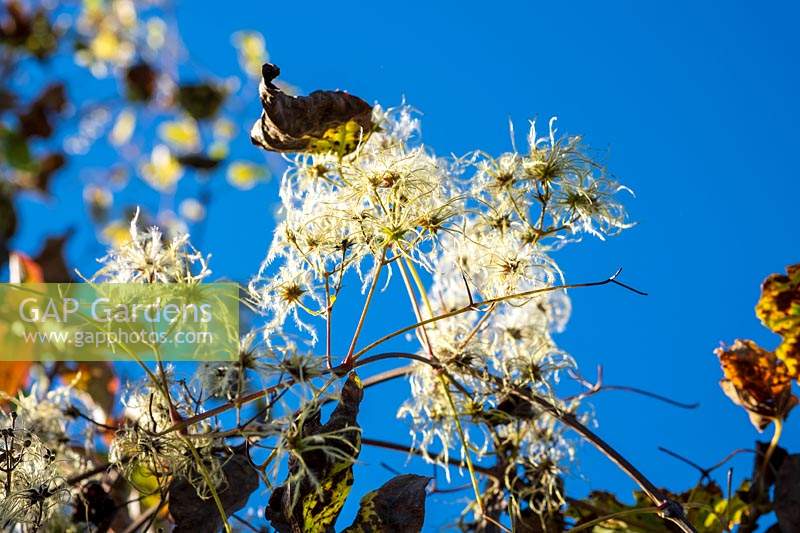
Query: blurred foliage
{"type": "Point", "coordinates": [56, 116]}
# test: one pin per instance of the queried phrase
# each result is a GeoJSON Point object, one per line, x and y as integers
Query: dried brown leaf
{"type": "Point", "coordinates": [323, 121]}
{"type": "Point", "coordinates": [397, 507]}
{"type": "Point", "coordinates": [193, 514]}
{"type": "Point", "coordinates": [301, 505]}
{"type": "Point", "coordinates": [756, 380]}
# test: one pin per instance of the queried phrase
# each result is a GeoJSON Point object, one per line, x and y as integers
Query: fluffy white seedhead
{"type": "Point", "coordinates": [149, 257]}
{"type": "Point", "coordinates": [34, 487]}
{"type": "Point", "coordinates": [482, 230]}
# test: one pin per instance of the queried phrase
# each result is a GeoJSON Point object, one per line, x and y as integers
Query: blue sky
{"type": "Point", "coordinates": [695, 108]}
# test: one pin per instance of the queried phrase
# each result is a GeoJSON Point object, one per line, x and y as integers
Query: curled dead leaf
{"type": "Point", "coordinates": [323, 121]}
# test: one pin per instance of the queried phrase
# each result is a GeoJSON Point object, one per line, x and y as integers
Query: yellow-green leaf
{"type": "Point", "coordinates": [181, 134]}
{"type": "Point", "coordinates": [245, 175]}
{"type": "Point", "coordinates": [319, 483]}
{"type": "Point", "coordinates": [252, 51]}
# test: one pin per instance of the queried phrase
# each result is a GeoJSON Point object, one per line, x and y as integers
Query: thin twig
{"type": "Point", "coordinates": [670, 509]}
{"type": "Point", "coordinates": [74, 480]}
{"type": "Point", "coordinates": [378, 268]}
{"type": "Point", "coordinates": [246, 523]}
{"type": "Point", "coordinates": [705, 473]}
{"type": "Point", "coordinates": [599, 386]}
{"type": "Point", "coordinates": [143, 518]}
{"type": "Point", "coordinates": [433, 457]}
{"type": "Point", "coordinates": [655, 396]}
{"type": "Point", "coordinates": [388, 375]}
{"type": "Point", "coordinates": [597, 521]}
{"type": "Point", "coordinates": [776, 436]}
{"type": "Point", "coordinates": [328, 312]}
{"type": "Point", "coordinates": [473, 306]}
{"type": "Point", "coordinates": [728, 500]}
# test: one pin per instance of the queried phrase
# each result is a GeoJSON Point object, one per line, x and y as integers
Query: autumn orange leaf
{"type": "Point", "coordinates": [758, 381]}
{"type": "Point", "coordinates": [14, 374]}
